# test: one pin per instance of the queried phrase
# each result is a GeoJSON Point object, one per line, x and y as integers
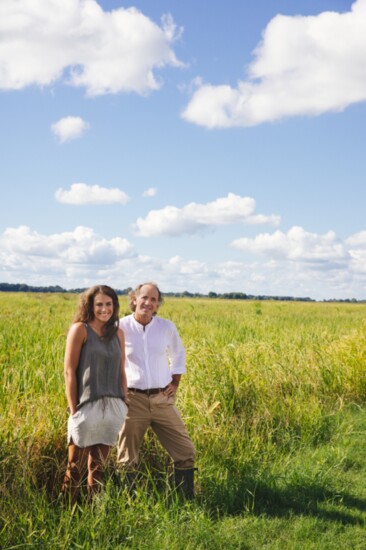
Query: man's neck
{"type": "Point", "coordinates": [143, 319]}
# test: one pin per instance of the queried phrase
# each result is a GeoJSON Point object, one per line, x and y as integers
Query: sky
{"type": "Point", "coordinates": [207, 146]}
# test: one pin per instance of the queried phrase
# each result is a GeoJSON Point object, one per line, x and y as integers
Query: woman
{"type": "Point", "coordinates": [96, 388]}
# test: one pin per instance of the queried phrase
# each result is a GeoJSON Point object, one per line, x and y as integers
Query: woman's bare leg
{"type": "Point", "coordinates": [75, 471]}
{"type": "Point", "coordinates": [98, 455]}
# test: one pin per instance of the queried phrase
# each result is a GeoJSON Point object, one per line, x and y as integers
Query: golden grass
{"type": "Point", "coordinates": [261, 376]}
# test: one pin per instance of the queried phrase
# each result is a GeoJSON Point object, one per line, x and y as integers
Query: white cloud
{"type": "Point", "coordinates": [71, 259]}
{"type": "Point", "coordinates": [186, 267]}
{"type": "Point", "coordinates": [303, 66]}
{"type": "Point", "coordinates": [75, 41]}
{"type": "Point", "coordinates": [357, 240]}
{"type": "Point", "coordinates": [296, 245]}
{"type": "Point", "coordinates": [81, 193]}
{"type": "Point", "coordinates": [81, 246]}
{"type": "Point", "coordinates": [318, 266]}
{"type": "Point", "coordinates": [151, 192]}
{"type": "Point", "coordinates": [357, 251]}
{"type": "Point", "coordinates": [70, 127]}
{"type": "Point", "coordinates": [271, 278]}
{"type": "Point", "coordinates": [194, 217]}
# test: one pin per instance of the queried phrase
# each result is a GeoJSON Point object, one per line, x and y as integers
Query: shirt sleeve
{"type": "Point", "coordinates": [176, 352]}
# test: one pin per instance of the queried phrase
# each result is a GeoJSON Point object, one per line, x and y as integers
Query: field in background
{"type": "Point", "coordinates": [266, 400]}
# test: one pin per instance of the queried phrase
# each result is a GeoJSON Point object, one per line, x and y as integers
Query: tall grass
{"type": "Point", "coordinates": [265, 384]}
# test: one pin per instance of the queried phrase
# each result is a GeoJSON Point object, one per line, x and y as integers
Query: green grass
{"type": "Point", "coordinates": [273, 397]}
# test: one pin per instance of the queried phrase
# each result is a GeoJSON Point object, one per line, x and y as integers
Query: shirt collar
{"type": "Point", "coordinates": [140, 325]}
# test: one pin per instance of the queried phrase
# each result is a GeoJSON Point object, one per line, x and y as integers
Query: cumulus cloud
{"type": "Point", "coordinates": [69, 127]}
{"type": "Point", "coordinates": [303, 66]}
{"type": "Point", "coordinates": [271, 277]}
{"type": "Point", "coordinates": [357, 251]}
{"type": "Point", "coordinates": [151, 192]}
{"type": "Point", "coordinates": [187, 267]}
{"type": "Point", "coordinates": [278, 278]}
{"type": "Point", "coordinates": [300, 263]}
{"type": "Point", "coordinates": [81, 193]}
{"type": "Point", "coordinates": [194, 217]}
{"type": "Point", "coordinates": [77, 42]}
{"type": "Point", "coordinates": [319, 266]}
{"type": "Point", "coordinates": [77, 257]}
{"type": "Point", "coordinates": [296, 245]}
{"type": "Point", "coordinates": [358, 240]}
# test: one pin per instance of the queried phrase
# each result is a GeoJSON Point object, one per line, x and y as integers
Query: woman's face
{"type": "Point", "coordinates": [102, 308]}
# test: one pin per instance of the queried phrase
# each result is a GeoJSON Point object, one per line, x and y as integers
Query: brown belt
{"type": "Point", "coordinates": [151, 391]}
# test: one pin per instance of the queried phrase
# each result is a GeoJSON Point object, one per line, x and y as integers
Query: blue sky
{"type": "Point", "coordinates": [208, 146]}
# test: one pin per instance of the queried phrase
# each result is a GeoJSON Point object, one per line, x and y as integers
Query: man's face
{"type": "Point", "coordinates": [147, 301]}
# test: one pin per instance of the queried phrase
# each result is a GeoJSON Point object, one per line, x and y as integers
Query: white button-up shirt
{"type": "Point", "coordinates": [153, 352]}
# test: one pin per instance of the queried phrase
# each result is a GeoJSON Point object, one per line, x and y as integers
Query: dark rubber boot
{"type": "Point", "coordinates": [184, 482]}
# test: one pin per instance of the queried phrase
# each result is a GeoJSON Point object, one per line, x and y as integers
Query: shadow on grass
{"type": "Point", "coordinates": [233, 496]}
{"type": "Point", "coordinates": [260, 498]}
{"type": "Point", "coordinates": [241, 491]}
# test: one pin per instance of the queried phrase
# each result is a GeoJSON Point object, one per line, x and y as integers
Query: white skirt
{"type": "Point", "coordinates": [98, 422]}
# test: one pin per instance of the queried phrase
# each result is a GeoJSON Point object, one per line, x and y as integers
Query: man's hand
{"type": "Point", "coordinates": [171, 389]}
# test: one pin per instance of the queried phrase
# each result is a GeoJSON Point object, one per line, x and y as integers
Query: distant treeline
{"type": "Point", "coordinates": [235, 296]}
{"type": "Point", "coordinates": [19, 287]}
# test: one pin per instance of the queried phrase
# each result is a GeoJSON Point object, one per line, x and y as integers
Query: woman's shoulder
{"type": "Point", "coordinates": [78, 329]}
{"type": "Point", "coordinates": [120, 334]}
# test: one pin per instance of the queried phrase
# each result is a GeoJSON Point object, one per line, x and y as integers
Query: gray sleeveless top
{"type": "Point", "coordinates": [99, 370]}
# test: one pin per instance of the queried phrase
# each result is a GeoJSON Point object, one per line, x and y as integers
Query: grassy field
{"type": "Point", "coordinates": [273, 398]}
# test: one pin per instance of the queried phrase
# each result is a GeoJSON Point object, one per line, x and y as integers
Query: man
{"type": "Point", "coordinates": [155, 362]}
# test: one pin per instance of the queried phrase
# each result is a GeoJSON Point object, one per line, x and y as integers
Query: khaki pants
{"type": "Point", "coordinates": [159, 412]}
